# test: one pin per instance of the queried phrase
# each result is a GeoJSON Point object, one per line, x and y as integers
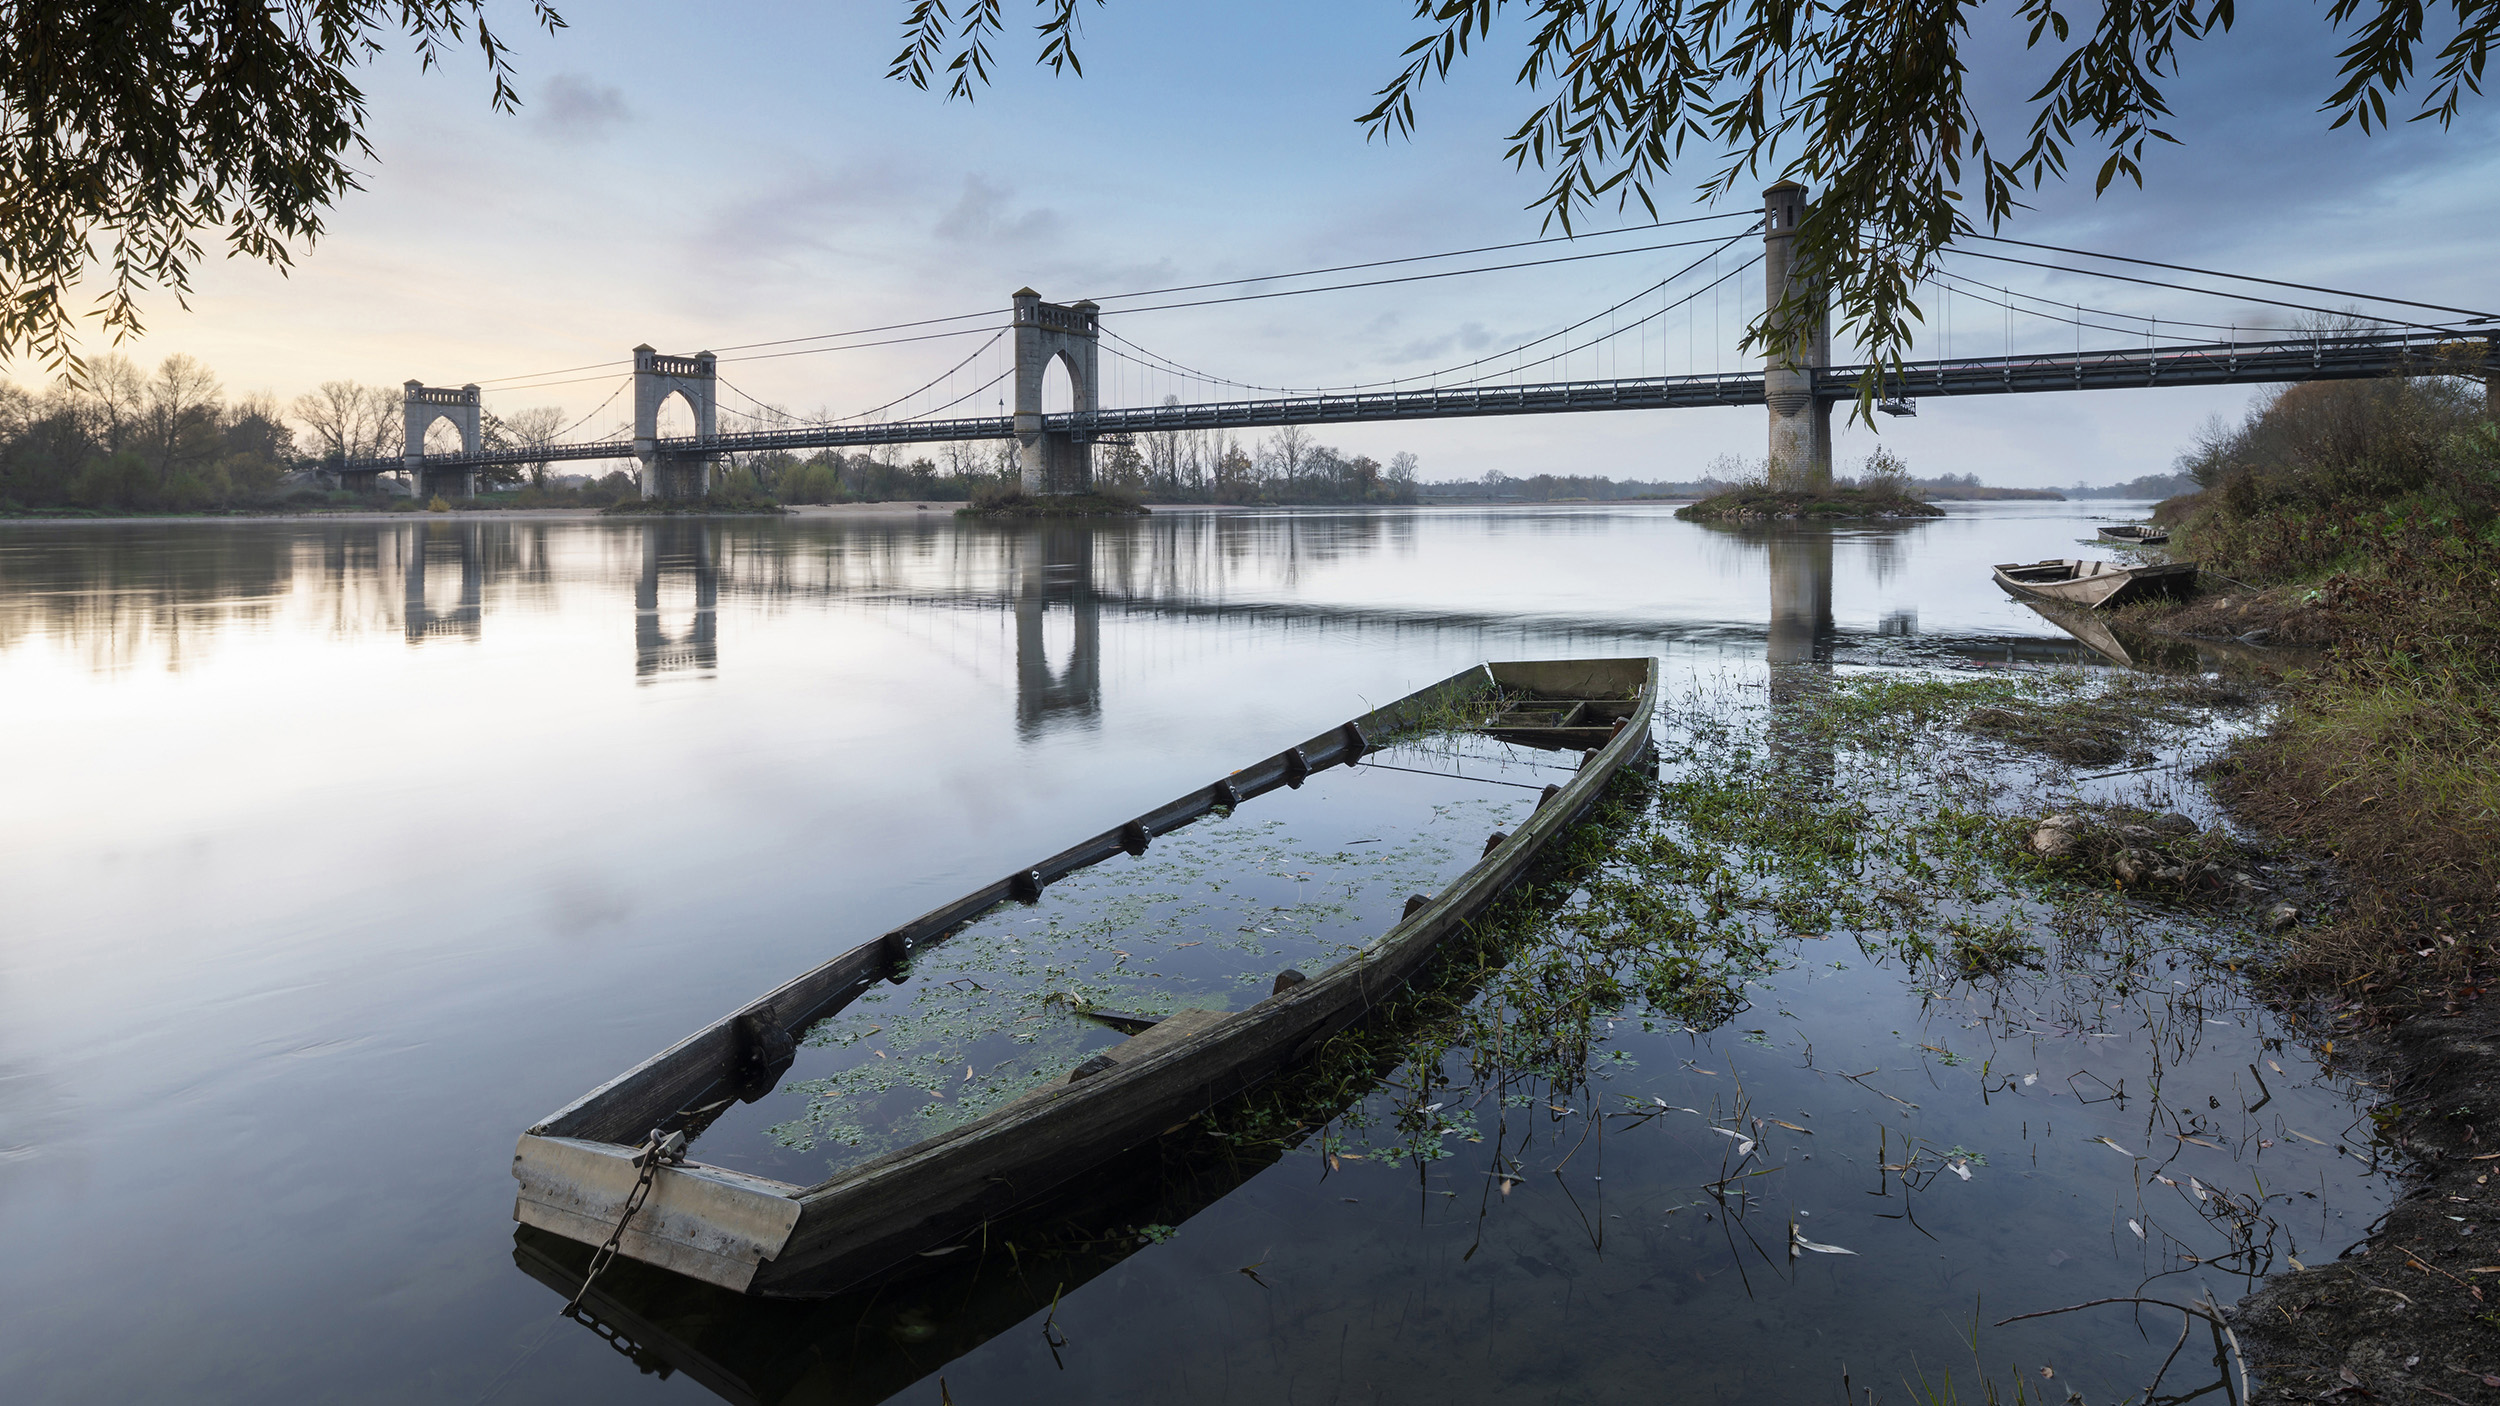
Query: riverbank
{"type": "Point", "coordinates": [2363, 522]}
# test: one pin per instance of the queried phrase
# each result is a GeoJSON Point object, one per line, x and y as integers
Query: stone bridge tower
{"type": "Point", "coordinates": [1055, 461]}
{"type": "Point", "coordinates": [1800, 409]}
{"type": "Point", "coordinates": [656, 378]}
{"type": "Point", "coordinates": [420, 406]}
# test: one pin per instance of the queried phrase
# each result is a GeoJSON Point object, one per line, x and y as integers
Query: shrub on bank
{"type": "Point", "coordinates": [2364, 518]}
{"type": "Point", "coordinates": [1009, 500]}
{"type": "Point", "coordinates": [1757, 503]}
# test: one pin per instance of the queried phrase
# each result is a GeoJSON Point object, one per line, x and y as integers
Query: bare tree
{"type": "Point", "coordinates": [349, 421]}
{"type": "Point", "coordinates": [182, 411]}
{"type": "Point", "coordinates": [1290, 447]}
{"type": "Point", "coordinates": [113, 399]}
{"type": "Point", "coordinates": [534, 429]}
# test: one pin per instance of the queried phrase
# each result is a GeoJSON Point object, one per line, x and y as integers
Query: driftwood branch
{"type": "Point", "coordinates": [2226, 1343]}
{"type": "Point", "coordinates": [2192, 1310]}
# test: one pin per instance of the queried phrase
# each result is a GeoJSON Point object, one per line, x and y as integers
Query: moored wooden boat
{"type": "Point", "coordinates": [2093, 584]}
{"type": "Point", "coordinates": [610, 1167]}
{"type": "Point", "coordinates": [2135, 534]}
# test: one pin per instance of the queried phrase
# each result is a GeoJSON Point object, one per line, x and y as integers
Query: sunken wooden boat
{"type": "Point", "coordinates": [2135, 534]}
{"type": "Point", "coordinates": [2093, 584]}
{"type": "Point", "coordinates": [583, 1170]}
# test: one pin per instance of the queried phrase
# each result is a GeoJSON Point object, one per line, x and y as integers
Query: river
{"type": "Point", "coordinates": [335, 854]}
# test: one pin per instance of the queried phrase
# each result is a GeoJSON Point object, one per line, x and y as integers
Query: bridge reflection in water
{"type": "Point", "coordinates": [1798, 649]}
{"type": "Point", "coordinates": [675, 551]}
{"type": "Point", "coordinates": [1055, 583]}
{"type": "Point", "coordinates": [456, 544]}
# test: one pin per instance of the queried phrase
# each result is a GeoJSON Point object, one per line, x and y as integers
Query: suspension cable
{"type": "Point", "coordinates": [1516, 367]}
{"type": "Point", "coordinates": [1420, 258]}
{"type": "Point", "coordinates": [1153, 292]}
{"type": "Point", "coordinates": [2241, 277]}
{"type": "Point", "coordinates": [1418, 277]}
{"type": "Point", "coordinates": [1462, 366]}
{"type": "Point", "coordinates": [941, 376]}
{"type": "Point", "coordinates": [594, 414]}
{"type": "Point", "coordinates": [2207, 292]}
{"type": "Point", "coordinates": [1972, 287]}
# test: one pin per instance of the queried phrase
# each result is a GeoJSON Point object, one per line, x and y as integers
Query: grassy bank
{"type": "Point", "coordinates": [2363, 520]}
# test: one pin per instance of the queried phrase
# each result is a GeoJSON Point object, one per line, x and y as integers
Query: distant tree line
{"type": "Point", "coordinates": [1164, 466]}
{"type": "Point", "coordinates": [127, 439]}
{"type": "Point", "coordinates": [1728, 471]}
{"type": "Point", "coordinates": [1215, 466]}
{"type": "Point", "coordinates": [2153, 486]}
{"type": "Point", "coordinates": [1497, 486]}
{"type": "Point", "coordinates": [172, 440]}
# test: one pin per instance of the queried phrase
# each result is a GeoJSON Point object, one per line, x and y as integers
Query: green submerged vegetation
{"type": "Point", "coordinates": [1831, 817]}
{"type": "Point", "coordinates": [1206, 918]}
{"type": "Point", "coordinates": [1885, 834]}
{"type": "Point", "coordinates": [1825, 816]}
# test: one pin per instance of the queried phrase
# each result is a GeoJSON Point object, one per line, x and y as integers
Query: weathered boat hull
{"type": "Point", "coordinates": [2089, 630]}
{"type": "Point", "coordinates": [2134, 535]}
{"type": "Point", "coordinates": [577, 1169]}
{"type": "Point", "coordinates": [2093, 584]}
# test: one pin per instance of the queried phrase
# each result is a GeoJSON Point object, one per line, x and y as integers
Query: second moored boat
{"type": "Point", "coordinates": [2093, 584]}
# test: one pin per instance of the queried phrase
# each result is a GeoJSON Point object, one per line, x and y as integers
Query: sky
{"type": "Point", "coordinates": [726, 176]}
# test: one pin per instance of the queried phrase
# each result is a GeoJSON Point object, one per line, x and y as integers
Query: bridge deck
{"type": "Point", "coordinates": [2208, 364]}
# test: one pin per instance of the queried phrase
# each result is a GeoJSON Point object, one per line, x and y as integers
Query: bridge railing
{"type": "Point", "coordinates": [2311, 358]}
{"type": "Point", "coordinates": [2317, 358]}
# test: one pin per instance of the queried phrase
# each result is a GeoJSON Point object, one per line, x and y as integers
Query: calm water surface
{"type": "Point", "coordinates": [333, 855]}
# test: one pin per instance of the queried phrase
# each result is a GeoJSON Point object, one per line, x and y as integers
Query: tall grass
{"type": "Point", "coordinates": [2367, 515]}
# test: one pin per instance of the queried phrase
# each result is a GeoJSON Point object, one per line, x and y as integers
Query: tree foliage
{"type": "Point", "coordinates": [130, 127]}
{"type": "Point", "coordinates": [128, 439]}
{"type": "Point", "coordinates": [1865, 101]}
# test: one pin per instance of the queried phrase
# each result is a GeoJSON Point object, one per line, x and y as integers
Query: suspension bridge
{"type": "Point", "coordinates": [1797, 384]}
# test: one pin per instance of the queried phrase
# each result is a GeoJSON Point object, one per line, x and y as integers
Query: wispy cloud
{"type": "Point", "coordinates": [575, 107]}
{"type": "Point", "coordinates": [983, 215]}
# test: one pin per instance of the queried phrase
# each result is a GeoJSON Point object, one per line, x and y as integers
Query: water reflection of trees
{"type": "Point", "coordinates": [121, 595]}
{"type": "Point", "coordinates": [118, 595]}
